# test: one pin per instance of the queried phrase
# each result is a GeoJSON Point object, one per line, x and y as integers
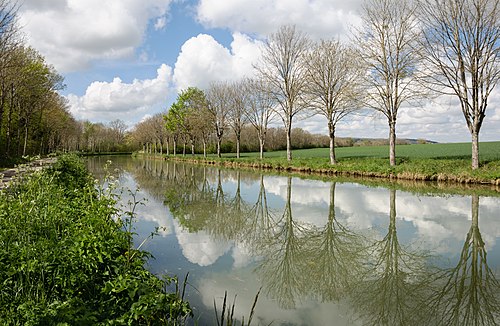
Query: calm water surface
{"type": "Point", "coordinates": [323, 252]}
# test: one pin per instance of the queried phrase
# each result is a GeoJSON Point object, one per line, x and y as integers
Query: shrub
{"type": "Point", "coordinates": [64, 259]}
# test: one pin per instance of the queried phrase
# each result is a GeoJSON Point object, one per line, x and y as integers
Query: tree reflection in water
{"type": "Point", "coordinates": [385, 282]}
{"type": "Point", "coordinates": [468, 294]}
{"type": "Point", "coordinates": [394, 282]}
{"type": "Point", "coordinates": [284, 268]}
{"type": "Point", "coordinates": [260, 220]}
{"type": "Point", "coordinates": [190, 197]}
{"type": "Point", "coordinates": [335, 261]}
{"type": "Point", "coordinates": [231, 215]}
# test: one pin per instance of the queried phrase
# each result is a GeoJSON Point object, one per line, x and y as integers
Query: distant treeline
{"type": "Point", "coordinates": [152, 137]}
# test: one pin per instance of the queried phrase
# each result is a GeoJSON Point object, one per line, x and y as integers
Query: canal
{"type": "Point", "coordinates": [322, 251]}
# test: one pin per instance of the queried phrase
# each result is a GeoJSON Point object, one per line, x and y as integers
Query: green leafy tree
{"type": "Point", "coordinates": [188, 117]}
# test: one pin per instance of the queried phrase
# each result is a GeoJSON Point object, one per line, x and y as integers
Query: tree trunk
{"type": "Point", "coordinates": [3, 97]}
{"type": "Point", "coordinates": [392, 211]}
{"type": "Point", "coordinates": [238, 139]}
{"type": "Point", "coordinates": [204, 149]}
{"type": "Point", "coordinates": [475, 211]}
{"type": "Point", "coordinates": [219, 143]}
{"type": "Point", "coordinates": [475, 150]}
{"type": "Point", "coordinates": [184, 149]}
{"type": "Point", "coordinates": [174, 150]}
{"type": "Point", "coordinates": [331, 130]}
{"type": "Point", "coordinates": [9, 123]}
{"type": "Point", "coordinates": [392, 143]}
{"type": "Point", "coordinates": [192, 148]}
{"type": "Point", "coordinates": [25, 138]}
{"type": "Point", "coordinates": [331, 210]}
{"type": "Point", "coordinates": [261, 145]}
{"type": "Point", "coordinates": [289, 141]}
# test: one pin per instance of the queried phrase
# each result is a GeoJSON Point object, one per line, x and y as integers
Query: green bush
{"type": "Point", "coordinates": [66, 259]}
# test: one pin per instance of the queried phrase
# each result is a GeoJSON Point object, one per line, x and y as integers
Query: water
{"type": "Point", "coordinates": [323, 252]}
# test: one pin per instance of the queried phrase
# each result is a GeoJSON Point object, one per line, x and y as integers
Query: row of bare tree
{"type": "Point", "coordinates": [416, 49]}
{"type": "Point", "coordinates": [152, 137]}
{"type": "Point", "coordinates": [405, 52]}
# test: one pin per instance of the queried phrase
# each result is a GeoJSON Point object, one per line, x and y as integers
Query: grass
{"type": "Point", "coordinates": [488, 151]}
{"type": "Point", "coordinates": [429, 162]}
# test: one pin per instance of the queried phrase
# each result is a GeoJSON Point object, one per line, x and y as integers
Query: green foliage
{"type": "Point", "coordinates": [65, 258]}
{"type": "Point", "coordinates": [186, 116]}
{"type": "Point", "coordinates": [70, 172]}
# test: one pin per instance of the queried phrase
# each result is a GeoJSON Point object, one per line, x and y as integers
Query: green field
{"type": "Point", "coordinates": [449, 162]}
{"type": "Point", "coordinates": [488, 151]}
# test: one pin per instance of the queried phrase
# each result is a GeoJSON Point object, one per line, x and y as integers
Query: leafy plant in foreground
{"type": "Point", "coordinates": [64, 259]}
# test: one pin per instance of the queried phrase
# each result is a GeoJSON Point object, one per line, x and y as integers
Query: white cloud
{"type": "Point", "coordinates": [242, 284]}
{"type": "Point", "coordinates": [127, 101]}
{"type": "Point", "coordinates": [161, 22]}
{"type": "Point", "coordinates": [73, 33]}
{"type": "Point", "coordinates": [319, 18]}
{"type": "Point", "coordinates": [202, 59]}
{"type": "Point", "coordinates": [439, 120]}
{"type": "Point", "coordinates": [200, 248]}
{"type": "Point", "coordinates": [440, 222]}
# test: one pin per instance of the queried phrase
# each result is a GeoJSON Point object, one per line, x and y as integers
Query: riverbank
{"type": "Point", "coordinates": [443, 170]}
{"type": "Point", "coordinates": [68, 256]}
{"type": "Point", "coordinates": [8, 175]}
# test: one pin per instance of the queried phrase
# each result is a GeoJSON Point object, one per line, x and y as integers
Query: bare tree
{"type": "Point", "coordinates": [159, 130]}
{"type": "Point", "coordinates": [237, 117]}
{"type": "Point", "coordinates": [462, 46]}
{"type": "Point", "coordinates": [9, 30]}
{"type": "Point", "coordinates": [334, 86]}
{"type": "Point", "coordinates": [8, 43]}
{"type": "Point", "coordinates": [282, 67]}
{"type": "Point", "coordinates": [388, 46]}
{"type": "Point", "coordinates": [219, 105]}
{"type": "Point", "coordinates": [118, 128]}
{"type": "Point", "coordinates": [260, 109]}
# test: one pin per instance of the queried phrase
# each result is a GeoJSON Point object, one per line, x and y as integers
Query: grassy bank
{"type": "Point", "coordinates": [65, 259]}
{"type": "Point", "coordinates": [426, 162]}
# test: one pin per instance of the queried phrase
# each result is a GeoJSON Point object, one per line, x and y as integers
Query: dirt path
{"type": "Point", "coordinates": [7, 176]}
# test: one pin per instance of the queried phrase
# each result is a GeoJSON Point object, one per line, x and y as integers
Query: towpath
{"type": "Point", "coordinates": [7, 176]}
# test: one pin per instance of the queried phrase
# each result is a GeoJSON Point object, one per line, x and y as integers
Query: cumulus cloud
{"type": "Point", "coordinates": [202, 59]}
{"type": "Point", "coordinates": [320, 18]}
{"type": "Point", "coordinates": [200, 248]}
{"type": "Point", "coordinates": [440, 119]}
{"type": "Point", "coordinates": [109, 100]}
{"type": "Point", "coordinates": [73, 33]}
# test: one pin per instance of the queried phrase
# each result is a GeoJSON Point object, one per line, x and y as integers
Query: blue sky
{"type": "Point", "coordinates": [128, 59]}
